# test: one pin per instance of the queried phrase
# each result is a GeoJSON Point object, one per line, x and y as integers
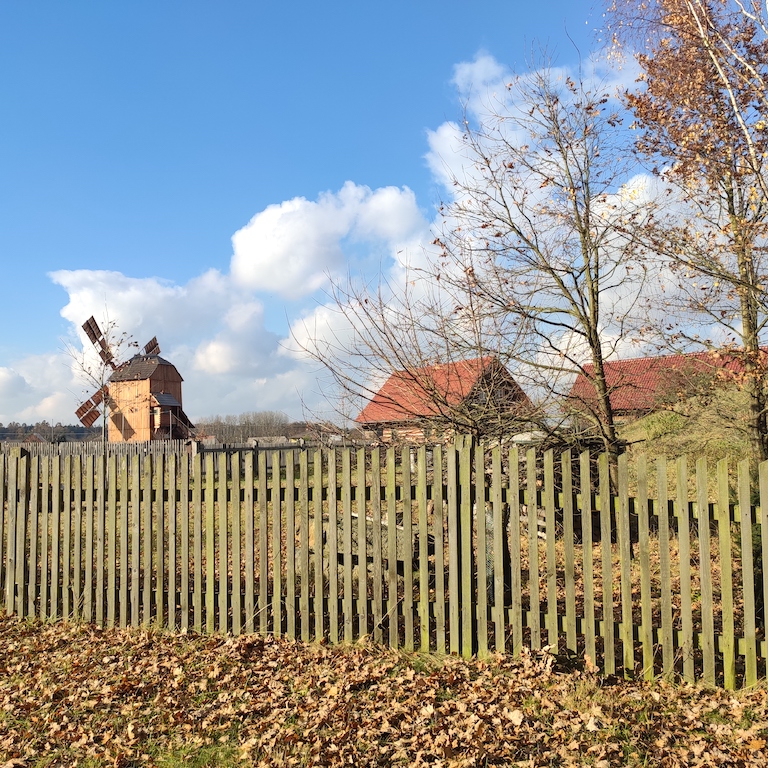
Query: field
{"type": "Point", "coordinates": [71, 694]}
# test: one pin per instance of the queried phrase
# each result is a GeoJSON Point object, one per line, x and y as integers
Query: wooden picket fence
{"type": "Point", "coordinates": [459, 548]}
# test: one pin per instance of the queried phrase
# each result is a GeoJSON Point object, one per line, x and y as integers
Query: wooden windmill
{"type": "Point", "coordinates": [142, 394]}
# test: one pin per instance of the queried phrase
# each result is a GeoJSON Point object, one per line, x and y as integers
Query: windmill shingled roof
{"type": "Point", "coordinates": [413, 394]}
{"type": "Point", "coordinates": [638, 384]}
{"type": "Point", "coordinates": [139, 367]}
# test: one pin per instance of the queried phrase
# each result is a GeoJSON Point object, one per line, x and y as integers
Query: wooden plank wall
{"type": "Point", "coordinates": [648, 568]}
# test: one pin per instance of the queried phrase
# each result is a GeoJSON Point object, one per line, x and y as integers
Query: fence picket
{"type": "Point", "coordinates": [453, 549]}
{"type": "Point", "coordinates": [34, 519]}
{"type": "Point", "coordinates": [606, 564]}
{"type": "Point", "coordinates": [56, 539]}
{"type": "Point", "coordinates": [333, 549]}
{"type": "Point", "coordinates": [124, 523]}
{"type": "Point", "coordinates": [585, 483]}
{"type": "Point", "coordinates": [235, 511]}
{"type": "Point", "coordinates": [197, 544]}
{"type": "Point", "coordinates": [290, 545]}
{"type": "Point", "coordinates": [277, 567]}
{"type": "Point", "coordinates": [173, 565]}
{"type": "Point", "coordinates": [438, 528]}
{"type": "Point", "coordinates": [250, 560]}
{"type": "Point", "coordinates": [392, 549]}
{"type": "Point", "coordinates": [146, 542]}
{"type": "Point", "coordinates": [111, 539]}
{"type": "Point", "coordinates": [377, 567]}
{"type": "Point", "coordinates": [705, 576]}
{"type": "Point", "coordinates": [569, 565]}
{"type": "Point", "coordinates": [319, 580]}
{"type": "Point", "coordinates": [66, 530]}
{"type": "Point", "coordinates": [551, 534]}
{"type": "Point", "coordinates": [160, 581]}
{"type": "Point", "coordinates": [263, 545]}
{"type": "Point", "coordinates": [728, 641]}
{"type": "Point", "coordinates": [643, 546]}
{"type": "Point", "coordinates": [346, 544]}
{"type": "Point", "coordinates": [625, 562]}
{"type": "Point", "coordinates": [482, 570]}
{"type": "Point", "coordinates": [516, 576]}
{"type": "Point", "coordinates": [532, 531]}
{"type": "Point", "coordinates": [499, 539]}
{"type": "Point", "coordinates": [222, 540]}
{"type": "Point", "coordinates": [10, 533]}
{"type": "Point", "coordinates": [747, 575]}
{"type": "Point", "coordinates": [684, 545]}
{"type": "Point", "coordinates": [405, 469]}
{"type": "Point", "coordinates": [135, 537]}
{"type": "Point", "coordinates": [362, 545]}
{"type": "Point", "coordinates": [22, 478]}
{"type": "Point", "coordinates": [667, 631]}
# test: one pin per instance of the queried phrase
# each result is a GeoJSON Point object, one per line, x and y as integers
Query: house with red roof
{"type": "Point", "coordinates": [473, 396]}
{"type": "Point", "coordinates": [641, 385]}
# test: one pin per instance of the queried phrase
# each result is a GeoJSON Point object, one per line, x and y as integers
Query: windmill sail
{"type": "Point", "coordinates": [93, 332]}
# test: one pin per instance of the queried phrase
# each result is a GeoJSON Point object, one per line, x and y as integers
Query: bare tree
{"type": "Point", "coordinates": [707, 136]}
{"type": "Point", "coordinates": [542, 234]}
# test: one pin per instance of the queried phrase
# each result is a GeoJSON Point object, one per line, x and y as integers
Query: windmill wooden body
{"type": "Point", "coordinates": [142, 394]}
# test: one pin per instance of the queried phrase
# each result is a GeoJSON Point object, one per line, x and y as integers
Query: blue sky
{"type": "Point", "coordinates": [137, 139]}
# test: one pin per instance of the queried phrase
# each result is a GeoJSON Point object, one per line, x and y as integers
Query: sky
{"type": "Point", "coordinates": [202, 171]}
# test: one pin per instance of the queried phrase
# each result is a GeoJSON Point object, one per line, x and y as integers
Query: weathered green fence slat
{"type": "Point", "coordinates": [56, 544]}
{"type": "Point", "coordinates": [362, 545]}
{"type": "Point", "coordinates": [405, 464]}
{"type": "Point", "coordinates": [667, 634]}
{"type": "Point", "coordinates": [44, 537]}
{"type": "Point", "coordinates": [101, 515]}
{"type": "Point", "coordinates": [173, 487]}
{"type": "Point", "coordinates": [333, 549]}
{"type": "Point", "coordinates": [250, 558]}
{"type": "Point", "coordinates": [145, 518]}
{"type": "Point", "coordinates": [438, 531]}
{"type": "Point", "coordinates": [532, 530]}
{"type": "Point", "coordinates": [705, 573]}
{"type": "Point", "coordinates": [223, 545]}
{"type": "Point", "coordinates": [377, 569]}
{"type": "Point", "coordinates": [184, 536]}
{"type": "Point", "coordinates": [277, 548]}
{"type": "Point", "coordinates": [625, 561]}
{"type": "Point", "coordinates": [4, 498]}
{"type": "Point", "coordinates": [319, 569]}
{"type": "Point", "coordinates": [727, 641]}
{"type": "Point", "coordinates": [263, 545]}
{"type": "Point", "coordinates": [10, 533]}
{"type": "Point", "coordinates": [499, 539]}
{"type": "Point", "coordinates": [643, 546]}
{"type": "Point", "coordinates": [290, 545]}
{"type": "Point", "coordinates": [157, 539]}
{"type": "Point", "coordinates": [747, 575]}
{"type": "Point", "coordinates": [684, 545]}
{"type": "Point", "coordinates": [197, 543]}
{"type": "Point", "coordinates": [111, 540]}
{"type": "Point", "coordinates": [606, 575]}
{"type": "Point", "coordinates": [21, 534]}
{"type": "Point", "coordinates": [392, 602]}
{"type": "Point", "coordinates": [454, 639]}
{"type": "Point", "coordinates": [569, 565]}
{"type": "Point", "coordinates": [66, 530]}
{"type": "Point", "coordinates": [34, 519]}
{"type": "Point", "coordinates": [135, 535]}
{"type": "Point", "coordinates": [317, 468]}
{"type": "Point", "coordinates": [551, 534]}
{"type": "Point", "coordinates": [515, 546]}
{"type": "Point", "coordinates": [467, 559]}
{"type": "Point", "coordinates": [77, 556]}
{"type": "Point", "coordinates": [483, 562]}
{"type": "Point", "coordinates": [588, 556]}
{"type": "Point", "coordinates": [346, 543]}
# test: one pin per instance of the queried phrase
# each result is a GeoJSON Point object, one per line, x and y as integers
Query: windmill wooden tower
{"type": "Point", "coordinates": [142, 394]}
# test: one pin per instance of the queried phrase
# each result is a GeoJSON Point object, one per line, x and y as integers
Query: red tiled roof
{"type": "Point", "coordinates": [638, 384]}
{"type": "Point", "coordinates": [426, 392]}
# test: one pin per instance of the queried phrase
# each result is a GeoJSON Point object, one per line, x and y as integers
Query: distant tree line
{"type": "Point", "coordinates": [46, 432]}
{"type": "Point", "coordinates": [239, 428]}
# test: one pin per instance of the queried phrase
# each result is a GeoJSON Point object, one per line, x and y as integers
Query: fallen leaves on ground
{"type": "Point", "coordinates": [76, 695]}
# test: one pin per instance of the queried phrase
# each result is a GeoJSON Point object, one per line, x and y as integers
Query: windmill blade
{"type": "Point", "coordinates": [89, 411]}
{"type": "Point", "coordinates": [151, 347]}
{"type": "Point", "coordinates": [96, 337]}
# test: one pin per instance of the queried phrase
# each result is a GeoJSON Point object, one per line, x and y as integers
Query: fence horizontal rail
{"type": "Point", "coordinates": [456, 549]}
